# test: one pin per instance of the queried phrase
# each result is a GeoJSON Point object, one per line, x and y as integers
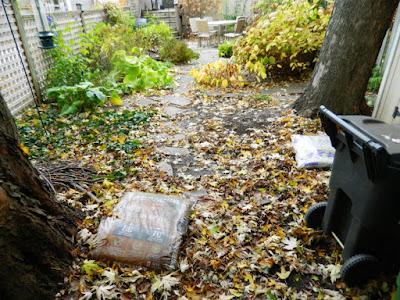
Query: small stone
{"type": "Point", "coordinates": [262, 199]}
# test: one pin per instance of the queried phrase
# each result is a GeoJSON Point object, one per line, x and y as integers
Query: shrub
{"type": "Point", "coordinates": [152, 37]}
{"type": "Point", "coordinates": [84, 95]}
{"type": "Point", "coordinates": [67, 67]}
{"type": "Point", "coordinates": [139, 72]}
{"type": "Point", "coordinates": [285, 42]}
{"type": "Point", "coordinates": [219, 74]}
{"type": "Point", "coordinates": [375, 80]}
{"type": "Point", "coordinates": [177, 52]}
{"type": "Point", "coordinates": [100, 44]}
{"type": "Point", "coordinates": [226, 49]}
{"type": "Point", "coordinates": [104, 40]}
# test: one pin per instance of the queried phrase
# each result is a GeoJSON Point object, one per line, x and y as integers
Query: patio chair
{"type": "Point", "coordinates": [193, 25]}
{"type": "Point", "coordinates": [204, 31]}
{"type": "Point", "coordinates": [240, 28]}
{"type": "Point", "coordinates": [209, 18]}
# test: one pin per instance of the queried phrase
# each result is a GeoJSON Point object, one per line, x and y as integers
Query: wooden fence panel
{"type": "Point", "coordinates": [14, 84]}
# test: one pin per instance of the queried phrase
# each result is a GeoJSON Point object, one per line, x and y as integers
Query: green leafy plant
{"type": "Point", "coordinates": [226, 49]}
{"type": "Point", "coordinates": [83, 95]}
{"type": "Point", "coordinates": [100, 44]}
{"type": "Point", "coordinates": [139, 72]}
{"type": "Point", "coordinates": [375, 80]}
{"type": "Point", "coordinates": [102, 130]}
{"type": "Point", "coordinates": [152, 37]}
{"type": "Point", "coordinates": [219, 74]}
{"type": "Point", "coordinates": [286, 42]}
{"type": "Point", "coordinates": [177, 52]}
{"type": "Point", "coordinates": [67, 67]}
{"type": "Point", "coordinates": [115, 15]}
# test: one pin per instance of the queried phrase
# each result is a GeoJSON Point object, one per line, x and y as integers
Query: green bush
{"type": "Point", "coordinates": [67, 67]}
{"type": "Point", "coordinates": [285, 42]}
{"type": "Point", "coordinates": [101, 43]}
{"type": "Point", "coordinates": [139, 72]}
{"type": "Point", "coordinates": [73, 98]}
{"type": "Point", "coordinates": [152, 37]}
{"type": "Point", "coordinates": [226, 49]}
{"type": "Point", "coordinates": [177, 52]}
{"type": "Point", "coordinates": [375, 80]}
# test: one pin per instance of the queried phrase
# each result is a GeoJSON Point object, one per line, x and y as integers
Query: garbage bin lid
{"type": "Point", "coordinates": [388, 135]}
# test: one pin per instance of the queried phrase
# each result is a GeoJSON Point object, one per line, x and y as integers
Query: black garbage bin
{"type": "Point", "coordinates": [363, 209]}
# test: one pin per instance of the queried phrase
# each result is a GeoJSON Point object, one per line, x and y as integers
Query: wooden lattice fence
{"type": "Point", "coordinates": [23, 64]}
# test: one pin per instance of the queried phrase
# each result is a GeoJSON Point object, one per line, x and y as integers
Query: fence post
{"type": "Point", "coordinates": [25, 46]}
{"type": "Point", "coordinates": [178, 18]}
{"type": "Point", "coordinates": [82, 15]}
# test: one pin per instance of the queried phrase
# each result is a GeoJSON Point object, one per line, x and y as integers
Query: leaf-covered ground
{"type": "Point", "coordinates": [247, 237]}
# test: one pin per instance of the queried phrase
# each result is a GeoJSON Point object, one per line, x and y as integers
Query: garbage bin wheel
{"type": "Point", "coordinates": [315, 214]}
{"type": "Point", "coordinates": [358, 269]}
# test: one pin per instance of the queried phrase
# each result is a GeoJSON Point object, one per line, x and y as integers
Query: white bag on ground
{"type": "Point", "coordinates": [313, 151]}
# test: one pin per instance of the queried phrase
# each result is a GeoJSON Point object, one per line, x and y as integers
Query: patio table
{"type": "Point", "coordinates": [221, 24]}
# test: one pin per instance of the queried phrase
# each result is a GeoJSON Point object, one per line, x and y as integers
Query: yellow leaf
{"type": "Point", "coordinates": [23, 148]}
{"type": "Point", "coordinates": [224, 205]}
{"type": "Point", "coordinates": [283, 274]}
{"type": "Point", "coordinates": [64, 155]}
{"type": "Point", "coordinates": [107, 183]}
{"type": "Point", "coordinates": [224, 83]}
{"type": "Point", "coordinates": [246, 153]}
{"type": "Point", "coordinates": [259, 141]}
{"type": "Point", "coordinates": [242, 172]}
{"type": "Point", "coordinates": [115, 99]}
{"type": "Point", "coordinates": [121, 139]}
{"type": "Point", "coordinates": [235, 293]}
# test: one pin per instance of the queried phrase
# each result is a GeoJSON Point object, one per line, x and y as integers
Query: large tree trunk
{"type": "Point", "coordinates": [353, 39]}
{"type": "Point", "coordinates": [35, 230]}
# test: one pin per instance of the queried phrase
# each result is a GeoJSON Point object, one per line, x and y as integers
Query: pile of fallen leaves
{"type": "Point", "coordinates": [246, 239]}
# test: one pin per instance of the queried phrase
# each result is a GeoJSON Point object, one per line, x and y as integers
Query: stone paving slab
{"type": "Point", "coordinates": [145, 102]}
{"type": "Point", "coordinates": [173, 111]}
{"type": "Point", "coordinates": [173, 151]}
{"type": "Point", "coordinates": [177, 100]}
{"type": "Point", "coordinates": [166, 167]}
{"type": "Point", "coordinates": [179, 137]}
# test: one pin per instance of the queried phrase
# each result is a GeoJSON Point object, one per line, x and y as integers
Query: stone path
{"type": "Point", "coordinates": [183, 118]}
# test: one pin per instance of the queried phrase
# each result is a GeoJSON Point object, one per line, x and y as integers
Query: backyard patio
{"type": "Point", "coordinates": [209, 125]}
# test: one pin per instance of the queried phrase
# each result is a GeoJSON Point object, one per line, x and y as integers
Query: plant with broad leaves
{"type": "Point", "coordinates": [83, 95]}
{"type": "Point", "coordinates": [139, 72]}
{"type": "Point", "coordinates": [285, 42]}
{"type": "Point", "coordinates": [219, 74]}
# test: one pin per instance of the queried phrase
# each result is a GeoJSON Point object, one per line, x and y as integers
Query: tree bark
{"type": "Point", "coordinates": [35, 230]}
{"type": "Point", "coordinates": [353, 40]}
